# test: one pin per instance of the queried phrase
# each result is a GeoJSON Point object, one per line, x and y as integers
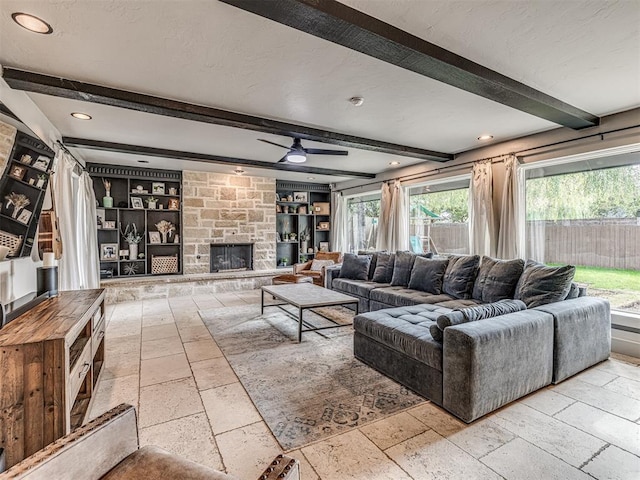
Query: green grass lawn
{"type": "Point", "coordinates": [608, 278]}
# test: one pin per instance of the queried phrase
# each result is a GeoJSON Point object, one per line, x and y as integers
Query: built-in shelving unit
{"type": "Point", "coordinates": [133, 191]}
{"type": "Point", "coordinates": [22, 190]}
{"type": "Point", "coordinates": [302, 221]}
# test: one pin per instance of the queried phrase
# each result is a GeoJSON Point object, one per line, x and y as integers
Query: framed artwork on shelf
{"type": "Point", "coordinates": [101, 217]}
{"type": "Point", "coordinates": [24, 216]}
{"type": "Point", "coordinates": [157, 188]}
{"type": "Point", "coordinates": [124, 253]}
{"type": "Point", "coordinates": [136, 202]}
{"type": "Point", "coordinates": [109, 251]}
{"type": "Point", "coordinates": [323, 225]}
{"type": "Point", "coordinates": [302, 210]}
{"type": "Point", "coordinates": [324, 246]}
{"type": "Point", "coordinates": [109, 224]}
{"type": "Point", "coordinates": [154, 237]}
{"type": "Point", "coordinates": [277, 197]}
{"type": "Point", "coordinates": [42, 163]}
{"type": "Point", "coordinates": [301, 197]}
{"type": "Point", "coordinates": [17, 172]}
{"type": "Point", "coordinates": [174, 204]}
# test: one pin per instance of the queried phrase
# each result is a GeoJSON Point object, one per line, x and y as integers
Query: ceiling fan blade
{"type": "Point", "coordinates": [320, 151]}
{"type": "Point", "coordinates": [272, 143]}
{"type": "Point", "coordinates": [282, 160]}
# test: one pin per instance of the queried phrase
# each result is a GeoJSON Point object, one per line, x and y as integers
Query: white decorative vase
{"type": "Point", "coordinates": [164, 237]}
{"type": "Point", "coordinates": [133, 251]}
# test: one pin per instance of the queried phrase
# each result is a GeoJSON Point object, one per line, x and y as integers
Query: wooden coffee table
{"type": "Point", "coordinates": [305, 296]}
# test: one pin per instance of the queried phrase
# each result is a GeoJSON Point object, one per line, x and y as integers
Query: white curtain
{"type": "Point", "coordinates": [393, 226]}
{"type": "Point", "coordinates": [339, 223]}
{"type": "Point", "coordinates": [511, 237]}
{"type": "Point", "coordinates": [481, 223]}
{"type": "Point", "coordinates": [76, 211]}
{"type": "Point", "coordinates": [383, 240]}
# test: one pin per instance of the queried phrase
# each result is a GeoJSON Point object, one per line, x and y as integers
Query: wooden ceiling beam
{"type": "Point", "coordinates": [206, 158]}
{"type": "Point", "coordinates": [87, 92]}
{"type": "Point", "coordinates": [346, 26]}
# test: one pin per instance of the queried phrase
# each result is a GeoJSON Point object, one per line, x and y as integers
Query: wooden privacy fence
{"type": "Point", "coordinates": [607, 243]}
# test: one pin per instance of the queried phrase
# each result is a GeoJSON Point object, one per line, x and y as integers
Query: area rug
{"type": "Point", "coordinates": [304, 391]}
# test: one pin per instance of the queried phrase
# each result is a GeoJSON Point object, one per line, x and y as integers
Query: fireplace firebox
{"type": "Point", "coordinates": [231, 256]}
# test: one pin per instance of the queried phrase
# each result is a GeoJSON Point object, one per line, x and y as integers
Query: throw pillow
{"type": "Point", "coordinates": [318, 265]}
{"type": "Point", "coordinates": [427, 275]}
{"type": "Point", "coordinates": [355, 267]}
{"type": "Point", "coordinates": [497, 279]}
{"type": "Point", "coordinates": [384, 268]}
{"type": "Point", "coordinates": [574, 291]}
{"type": "Point", "coordinates": [402, 268]}
{"type": "Point", "coordinates": [460, 276]}
{"type": "Point", "coordinates": [473, 314]}
{"type": "Point", "coordinates": [540, 284]}
{"type": "Point", "coordinates": [374, 261]}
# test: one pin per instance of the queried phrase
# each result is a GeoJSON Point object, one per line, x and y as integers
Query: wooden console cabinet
{"type": "Point", "coordinates": [50, 362]}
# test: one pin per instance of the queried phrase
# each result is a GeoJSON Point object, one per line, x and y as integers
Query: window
{"type": "Point", "coordinates": [439, 217]}
{"type": "Point", "coordinates": [362, 221]}
{"type": "Point", "coordinates": [587, 213]}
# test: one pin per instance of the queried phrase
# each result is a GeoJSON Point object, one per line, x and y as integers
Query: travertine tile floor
{"type": "Point", "coordinates": [161, 358]}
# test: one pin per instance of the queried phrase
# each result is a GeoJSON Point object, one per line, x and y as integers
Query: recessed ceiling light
{"type": "Point", "coordinates": [81, 116]}
{"type": "Point", "coordinates": [32, 23]}
{"type": "Point", "coordinates": [485, 137]}
{"type": "Point", "coordinates": [239, 171]}
{"type": "Point", "coordinates": [394, 163]}
{"type": "Point", "coordinates": [311, 178]}
{"type": "Point", "coordinates": [356, 101]}
{"type": "Point", "coordinates": [143, 161]}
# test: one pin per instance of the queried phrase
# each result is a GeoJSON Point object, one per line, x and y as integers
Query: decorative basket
{"type": "Point", "coordinates": [164, 264]}
{"type": "Point", "coordinates": [11, 241]}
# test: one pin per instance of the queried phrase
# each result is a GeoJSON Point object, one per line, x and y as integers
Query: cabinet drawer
{"type": "Point", "coordinates": [98, 335]}
{"type": "Point", "coordinates": [80, 370]}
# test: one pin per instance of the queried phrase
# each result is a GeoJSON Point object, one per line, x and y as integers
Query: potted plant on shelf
{"type": "Point", "coordinates": [133, 238]}
{"type": "Point", "coordinates": [152, 203]}
{"type": "Point", "coordinates": [107, 200]}
{"type": "Point", "coordinates": [166, 229]}
{"type": "Point", "coordinates": [284, 261]}
{"type": "Point", "coordinates": [304, 240]}
{"type": "Point", "coordinates": [41, 179]}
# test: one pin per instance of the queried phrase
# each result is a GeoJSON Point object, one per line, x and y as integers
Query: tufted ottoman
{"type": "Point", "coordinates": [397, 342]}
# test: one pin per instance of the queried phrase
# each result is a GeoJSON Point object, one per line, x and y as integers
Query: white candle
{"type": "Point", "coordinates": [49, 259]}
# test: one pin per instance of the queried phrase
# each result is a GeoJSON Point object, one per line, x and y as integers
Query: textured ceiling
{"type": "Point", "coordinates": [586, 53]}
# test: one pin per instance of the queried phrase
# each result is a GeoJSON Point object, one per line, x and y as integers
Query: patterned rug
{"type": "Point", "coordinates": [305, 391]}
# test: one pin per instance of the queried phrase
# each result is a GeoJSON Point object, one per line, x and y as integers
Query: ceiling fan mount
{"type": "Point", "coordinates": [298, 154]}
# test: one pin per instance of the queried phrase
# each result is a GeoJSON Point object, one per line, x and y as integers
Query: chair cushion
{"type": "Point", "coordinates": [384, 268]}
{"type": "Point", "coordinates": [460, 275]}
{"type": "Point", "coordinates": [540, 284]}
{"type": "Point", "coordinates": [497, 279]}
{"type": "Point", "coordinates": [317, 265]}
{"type": "Point", "coordinates": [154, 462]}
{"type": "Point", "coordinates": [355, 267]}
{"type": "Point", "coordinates": [428, 274]}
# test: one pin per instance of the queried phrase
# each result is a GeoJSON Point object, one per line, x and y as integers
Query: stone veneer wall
{"type": "Point", "coordinates": [227, 208]}
{"type": "Point", "coordinates": [7, 137]}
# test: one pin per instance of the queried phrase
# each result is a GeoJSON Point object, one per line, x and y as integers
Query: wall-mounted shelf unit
{"type": "Point", "coordinates": [133, 191]}
{"type": "Point", "coordinates": [301, 208]}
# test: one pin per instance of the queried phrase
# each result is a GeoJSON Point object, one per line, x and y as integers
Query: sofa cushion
{"type": "Point", "coordinates": [428, 274]}
{"type": "Point", "coordinates": [473, 314]}
{"type": "Point", "coordinates": [405, 329]}
{"type": "Point", "coordinates": [374, 261]}
{"type": "Point", "coordinates": [356, 287]}
{"type": "Point", "coordinates": [455, 303]}
{"type": "Point", "coordinates": [355, 267]}
{"type": "Point", "coordinates": [384, 268]}
{"type": "Point", "coordinates": [402, 268]}
{"type": "Point", "coordinates": [497, 279]}
{"type": "Point", "coordinates": [540, 284]}
{"type": "Point", "coordinates": [460, 275]}
{"type": "Point", "coordinates": [397, 296]}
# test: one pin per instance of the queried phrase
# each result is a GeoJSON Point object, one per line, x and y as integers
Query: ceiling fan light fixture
{"type": "Point", "coordinates": [485, 137]}
{"type": "Point", "coordinates": [394, 163]}
{"type": "Point", "coordinates": [296, 157]}
{"type": "Point", "coordinates": [32, 23]}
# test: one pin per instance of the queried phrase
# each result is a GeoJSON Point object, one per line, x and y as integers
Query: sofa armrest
{"type": "Point", "coordinates": [582, 334]}
{"type": "Point", "coordinates": [298, 267]}
{"type": "Point", "coordinates": [489, 363]}
{"type": "Point", "coordinates": [88, 452]}
{"type": "Point", "coordinates": [331, 272]}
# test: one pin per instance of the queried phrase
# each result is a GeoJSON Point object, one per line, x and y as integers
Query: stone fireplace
{"type": "Point", "coordinates": [231, 256]}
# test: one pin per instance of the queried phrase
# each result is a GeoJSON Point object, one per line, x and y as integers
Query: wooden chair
{"type": "Point", "coordinates": [317, 275]}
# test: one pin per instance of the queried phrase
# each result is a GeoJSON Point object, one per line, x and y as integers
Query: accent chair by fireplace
{"type": "Point", "coordinates": [317, 275]}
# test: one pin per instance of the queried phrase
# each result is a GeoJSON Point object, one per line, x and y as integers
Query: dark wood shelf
{"type": "Point", "coordinates": [15, 220]}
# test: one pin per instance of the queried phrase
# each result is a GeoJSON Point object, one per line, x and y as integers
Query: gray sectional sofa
{"type": "Point", "coordinates": [465, 343]}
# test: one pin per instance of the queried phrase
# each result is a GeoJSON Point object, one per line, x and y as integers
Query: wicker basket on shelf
{"type": "Point", "coordinates": [11, 241]}
{"type": "Point", "coordinates": [164, 264]}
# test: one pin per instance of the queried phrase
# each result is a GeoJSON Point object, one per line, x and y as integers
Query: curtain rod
{"type": "Point", "coordinates": [436, 171]}
{"type": "Point", "coordinates": [63, 147]}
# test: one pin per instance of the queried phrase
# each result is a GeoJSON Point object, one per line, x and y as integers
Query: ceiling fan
{"type": "Point", "coordinates": [298, 154]}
